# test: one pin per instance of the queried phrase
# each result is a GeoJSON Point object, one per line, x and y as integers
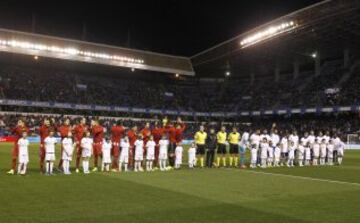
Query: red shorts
{"type": "Point", "coordinates": [78, 149]}
{"type": "Point", "coordinates": [97, 148]}
{"type": "Point", "coordinates": [15, 151]}
{"type": "Point", "coordinates": [42, 152]}
{"type": "Point", "coordinates": [115, 151]}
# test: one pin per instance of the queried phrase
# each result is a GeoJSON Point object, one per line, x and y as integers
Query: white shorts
{"type": "Point", "coordinates": [263, 154]}
{"type": "Point", "coordinates": [50, 156]}
{"type": "Point", "coordinates": [323, 153]}
{"type": "Point", "coordinates": [270, 152]}
{"type": "Point", "coordinates": [150, 154]}
{"type": "Point", "coordinates": [316, 152]}
{"type": "Point", "coordinates": [254, 153]}
{"type": "Point", "coordinates": [277, 154]}
{"type": "Point", "coordinates": [341, 152]}
{"type": "Point", "coordinates": [330, 154]}
{"type": "Point", "coordinates": [86, 153]}
{"type": "Point", "coordinates": [106, 158]}
{"type": "Point", "coordinates": [23, 158]}
{"type": "Point", "coordinates": [301, 150]}
{"type": "Point", "coordinates": [124, 157]}
{"type": "Point", "coordinates": [139, 157]}
{"type": "Point", "coordinates": [163, 155]}
{"type": "Point", "coordinates": [192, 159]}
{"type": "Point", "coordinates": [307, 154]}
{"type": "Point", "coordinates": [178, 160]}
{"type": "Point", "coordinates": [291, 154]}
{"type": "Point", "coordinates": [66, 157]}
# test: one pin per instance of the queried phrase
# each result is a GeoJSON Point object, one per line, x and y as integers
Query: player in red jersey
{"type": "Point", "coordinates": [98, 135]}
{"type": "Point", "coordinates": [63, 131]}
{"type": "Point", "coordinates": [132, 134]}
{"type": "Point", "coordinates": [158, 131]}
{"type": "Point", "coordinates": [17, 131]}
{"type": "Point", "coordinates": [117, 132]}
{"type": "Point", "coordinates": [171, 131]}
{"type": "Point", "coordinates": [43, 132]}
{"type": "Point", "coordinates": [79, 131]}
{"type": "Point", "coordinates": [180, 128]}
{"type": "Point", "coordinates": [145, 132]}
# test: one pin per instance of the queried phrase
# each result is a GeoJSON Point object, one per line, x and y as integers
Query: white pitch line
{"type": "Point", "coordinates": [303, 178]}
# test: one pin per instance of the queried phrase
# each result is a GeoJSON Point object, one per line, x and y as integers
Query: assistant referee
{"type": "Point", "coordinates": [200, 139]}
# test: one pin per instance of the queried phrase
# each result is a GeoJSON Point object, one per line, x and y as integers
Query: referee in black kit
{"type": "Point", "coordinates": [211, 142]}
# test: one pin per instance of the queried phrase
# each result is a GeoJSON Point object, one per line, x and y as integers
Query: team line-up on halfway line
{"type": "Point", "coordinates": [132, 149]}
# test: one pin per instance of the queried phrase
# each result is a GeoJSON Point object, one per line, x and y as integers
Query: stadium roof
{"type": "Point", "coordinates": [67, 49]}
{"type": "Point", "coordinates": [325, 28]}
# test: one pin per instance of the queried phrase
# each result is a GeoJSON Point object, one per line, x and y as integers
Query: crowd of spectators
{"type": "Point", "coordinates": [229, 95]}
{"type": "Point", "coordinates": [341, 124]}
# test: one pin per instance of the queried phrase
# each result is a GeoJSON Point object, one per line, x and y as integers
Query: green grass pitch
{"type": "Point", "coordinates": [311, 194]}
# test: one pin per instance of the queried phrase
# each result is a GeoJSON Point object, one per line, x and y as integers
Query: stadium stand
{"type": "Point", "coordinates": [192, 94]}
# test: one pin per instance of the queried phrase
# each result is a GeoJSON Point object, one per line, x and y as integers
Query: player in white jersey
{"type": "Point", "coordinates": [150, 153]}
{"type": "Point", "coordinates": [244, 143]}
{"type": "Point", "coordinates": [68, 146]}
{"type": "Point", "coordinates": [327, 137]}
{"type": "Point", "coordinates": [307, 154]}
{"type": "Point", "coordinates": [254, 155]}
{"type": "Point", "coordinates": [294, 138]}
{"type": "Point", "coordinates": [330, 152]}
{"type": "Point", "coordinates": [268, 139]}
{"type": "Point", "coordinates": [192, 156]}
{"type": "Point", "coordinates": [106, 154]}
{"type": "Point", "coordinates": [316, 152]}
{"type": "Point", "coordinates": [87, 149]}
{"type": "Point", "coordinates": [292, 148]}
{"type": "Point", "coordinates": [336, 140]}
{"type": "Point", "coordinates": [340, 147]}
{"type": "Point", "coordinates": [178, 156]}
{"type": "Point", "coordinates": [255, 141]}
{"type": "Point", "coordinates": [311, 139]}
{"type": "Point", "coordinates": [277, 155]}
{"type": "Point", "coordinates": [264, 147]}
{"type": "Point", "coordinates": [139, 153]}
{"type": "Point", "coordinates": [265, 135]}
{"type": "Point", "coordinates": [50, 143]}
{"type": "Point", "coordinates": [124, 154]}
{"type": "Point", "coordinates": [270, 154]}
{"type": "Point", "coordinates": [284, 144]}
{"type": "Point", "coordinates": [275, 138]}
{"type": "Point", "coordinates": [322, 151]}
{"type": "Point", "coordinates": [163, 152]}
{"type": "Point", "coordinates": [301, 150]}
{"type": "Point", "coordinates": [320, 137]}
{"type": "Point", "coordinates": [23, 156]}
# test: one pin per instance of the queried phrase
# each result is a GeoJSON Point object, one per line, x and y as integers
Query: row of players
{"type": "Point", "coordinates": [68, 146]}
{"type": "Point", "coordinates": [268, 154]}
{"type": "Point", "coordinates": [276, 149]}
{"type": "Point", "coordinates": [174, 131]}
{"type": "Point", "coordinates": [261, 145]}
{"type": "Point", "coordinates": [320, 152]}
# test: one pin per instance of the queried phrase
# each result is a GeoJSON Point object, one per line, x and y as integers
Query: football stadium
{"type": "Point", "coordinates": [180, 111]}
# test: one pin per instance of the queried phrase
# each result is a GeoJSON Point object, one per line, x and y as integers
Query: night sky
{"type": "Point", "coordinates": [180, 27]}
